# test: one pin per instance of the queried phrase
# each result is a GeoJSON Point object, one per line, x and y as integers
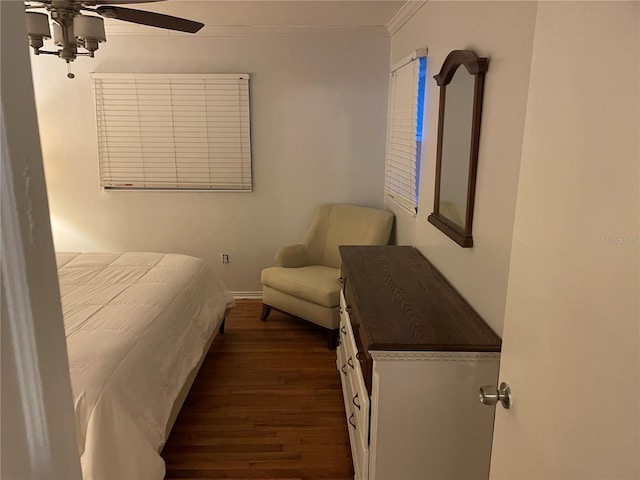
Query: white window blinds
{"type": "Point", "coordinates": [178, 131]}
{"type": "Point", "coordinates": [400, 172]}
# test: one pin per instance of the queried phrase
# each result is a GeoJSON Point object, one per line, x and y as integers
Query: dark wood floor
{"type": "Point", "coordinates": [266, 404]}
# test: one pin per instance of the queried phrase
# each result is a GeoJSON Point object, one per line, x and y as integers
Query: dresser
{"type": "Point", "coordinates": [411, 356]}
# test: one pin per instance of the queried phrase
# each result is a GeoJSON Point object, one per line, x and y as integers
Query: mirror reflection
{"type": "Point", "coordinates": [456, 147]}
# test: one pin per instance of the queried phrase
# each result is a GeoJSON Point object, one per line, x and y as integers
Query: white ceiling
{"type": "Point", "coordinates": [290, 13]}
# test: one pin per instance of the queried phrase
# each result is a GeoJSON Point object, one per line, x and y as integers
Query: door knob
{"type": "Point", "coordinates": [490, 395]}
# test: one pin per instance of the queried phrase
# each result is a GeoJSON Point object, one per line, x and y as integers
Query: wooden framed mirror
{"type": "Point", "coordinates": [459, 119]}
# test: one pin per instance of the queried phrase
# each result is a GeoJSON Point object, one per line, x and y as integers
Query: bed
{"type": "Point", "coordinates": [138, 326]}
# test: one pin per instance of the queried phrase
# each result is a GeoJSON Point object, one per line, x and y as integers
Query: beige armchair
{"type": "Point", "coordinates": [305, 283]}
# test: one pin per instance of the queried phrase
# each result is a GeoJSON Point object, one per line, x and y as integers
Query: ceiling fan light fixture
{"type": "Point", "coordinates": [38, 24]}
{"type": "Point", "coordinates": [87, 27]}
{"type": "Point", "coordinates": [89, 32]}
{"type": "Point", "coordinates": [58, 34]}
{"type": "Point", "coordinates": [37, 29]}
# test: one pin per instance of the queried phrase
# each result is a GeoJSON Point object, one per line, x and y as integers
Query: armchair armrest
{"type": "Point", "coordinates": [293, 256]}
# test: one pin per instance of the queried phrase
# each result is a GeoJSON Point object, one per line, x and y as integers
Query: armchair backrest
{"type": "Point", "coordinates": [339, 224]}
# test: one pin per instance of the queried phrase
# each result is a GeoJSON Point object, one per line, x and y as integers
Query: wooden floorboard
{"type": "Point", "coordinates": [267, 404]}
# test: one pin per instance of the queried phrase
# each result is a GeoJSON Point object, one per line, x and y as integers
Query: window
{"type": "Point", "coordinates": [173, 131]}
{"type": "Point", "coordinates": [404, 131]}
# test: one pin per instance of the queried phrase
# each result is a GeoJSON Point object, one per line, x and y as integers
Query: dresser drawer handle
{"type": "Point", "coordinates": [348, 310]}
{"type": "Point", "coordinates": [350, 363]}
{"type": "Point", "coordinates": [341, 280]}
{"type": "Point", "coordinates": [357, 404]}
{"type": "Point", "coordinates": [359, 357]}
{"type": "Point", "coordinates": [352, 421]}
{"type": "Point", "coordinates": [343, 369]}
{"type": "Point", "coordinates": [343, 330]}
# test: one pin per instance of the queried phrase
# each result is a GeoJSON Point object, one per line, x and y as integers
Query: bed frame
{"type": "Point", "coordinates": [182, 396]}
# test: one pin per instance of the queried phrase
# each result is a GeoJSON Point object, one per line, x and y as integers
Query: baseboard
{"type": "Point", "coordinates": [247, 295]}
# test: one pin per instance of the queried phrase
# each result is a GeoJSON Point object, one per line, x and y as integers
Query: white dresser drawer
{"type": "Point", "coordinates": [344, 316]}
{"type": "Point", "coordinates": [360, 454]}
{"type": "Point", "coordinates": [356, 397]}
{"type": "Point", "coordinates": [358, 435]}
{"type": "Point", "coordinates": [359, 403]}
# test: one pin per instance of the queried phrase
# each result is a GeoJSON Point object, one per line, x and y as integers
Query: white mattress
{"type": "Point", "coordinates": [136, 325]}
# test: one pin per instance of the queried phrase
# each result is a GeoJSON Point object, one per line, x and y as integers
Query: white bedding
{"type": "Point", "coordinates": [136, 325]}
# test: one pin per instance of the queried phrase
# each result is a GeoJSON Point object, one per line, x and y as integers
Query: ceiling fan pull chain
{"type": "Point", "coordinates": [69, 74]}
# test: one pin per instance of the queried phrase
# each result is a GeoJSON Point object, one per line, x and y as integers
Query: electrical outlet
{"type": "Point", "coordinates": [225, 258]}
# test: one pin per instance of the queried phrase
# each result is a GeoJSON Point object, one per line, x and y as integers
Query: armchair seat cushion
{"type": "Point", "coordinates": [314, 283]}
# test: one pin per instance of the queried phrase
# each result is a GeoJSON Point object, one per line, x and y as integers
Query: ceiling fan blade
{"type": "Point", "coordinates": [37, 4]}
{"type": "Point", "coordinates": [93, 3]}
{"type": "Point", "coordinates": [150, 18]}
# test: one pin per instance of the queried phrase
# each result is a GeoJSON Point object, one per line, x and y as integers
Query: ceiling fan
{"type": "Point", "coordinates": [74, 30]}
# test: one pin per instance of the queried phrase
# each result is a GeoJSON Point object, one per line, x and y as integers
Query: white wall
{"type": "Point", "coordinates": [502, 31]}
{"type": "Point", "coordinates": [318, 126]}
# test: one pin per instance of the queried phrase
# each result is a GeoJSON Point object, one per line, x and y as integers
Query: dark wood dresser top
{"type": "Point", "coordinates": [401, 302]}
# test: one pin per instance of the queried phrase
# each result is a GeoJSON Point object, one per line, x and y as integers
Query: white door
{"type": "Point", "coordinates": [37, 434]}
{"type": "Point", "coordinates": [571, 337]}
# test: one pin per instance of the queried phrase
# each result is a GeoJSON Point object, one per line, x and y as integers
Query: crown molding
{"type": "Point", "coordinates": [255, 31]}
{"type": "Point", "coordinates": [408, 10]}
